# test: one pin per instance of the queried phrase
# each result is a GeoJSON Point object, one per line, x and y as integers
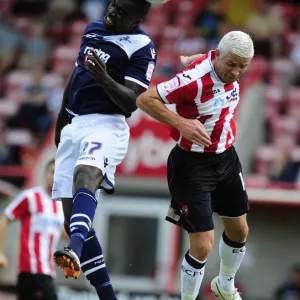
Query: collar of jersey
{"type": "Point", "coordinates": [212, 66]}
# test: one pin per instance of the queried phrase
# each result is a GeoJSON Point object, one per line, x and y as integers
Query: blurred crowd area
{"type": "Point", "coordinates": [39, 42]}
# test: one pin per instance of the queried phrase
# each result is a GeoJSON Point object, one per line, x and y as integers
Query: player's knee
{"type": "Point", "coordinates": [81, 179]}
{"type": "Point", "coordinates": [239, 233]}
{"type": "Point", "coordinates": [201, 246]}
{"type": "Point", "coordinates": [87, 177]}
{"type": "Point", "coordinates": [242, 233]}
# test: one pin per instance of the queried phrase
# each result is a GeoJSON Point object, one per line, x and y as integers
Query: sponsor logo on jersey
{"type": "Point", "coordinates": [212, 92]}
{"type": "Point", "coordinates": [150, 70]}
{"type": "Point", "coordinates": [101, 54]}
{"type": "Point", "coordinates": [233, 96]}
{"type": "Point", "coordinates": [153, 53]}
{"type": "Point", "coordinates": [172, 84]}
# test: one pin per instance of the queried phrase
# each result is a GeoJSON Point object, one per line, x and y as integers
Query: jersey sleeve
{"type": "Point", "coordinates": [141, 66]}
{"type": "Point", "coordinates": [18, 208]}
{"type": "Point", "coordinates": [177, 90]}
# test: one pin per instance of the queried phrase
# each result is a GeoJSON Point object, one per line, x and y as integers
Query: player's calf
{"type": "Point", "coordinates": [231, 255]}
{"type": "Point", "coordinates": [86, 180]}
{"type": "Point", "coordinates": [193, 264]}
{"type": "Point", "coordinates": [94, 267]}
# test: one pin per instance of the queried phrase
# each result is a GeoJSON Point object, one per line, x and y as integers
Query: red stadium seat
{"type": "Point", "coordinates": [185, 20]}
{"type": "Point", "coordinates": [279, 69]}
{"type": "Point", "coordinates": [256, 71]}
{"type": "Point", "coordinates": [15, 80]}
{"type": "Point", "coordinates": [256, 180]}
{"type": "Point", "coordinates": [295, 154]}
{"type": "Point", "coordinates": [76, 28]}
{"type": "Point", "coordinates": [294, 96]}
{"type": "Point", "coordinates": [158, 19]}
{"type": "Point", "coordinates": [18, 137]}
{"type": "Point", "coordinates": [286, 125]}
{"type": "Point", "coordinates": [64, 58]}
{"type": "Point", "coordinates": [284, 140]}
{"type": "Point", "coordinates": [264, 156]}
{"type": "Point", "coordinates": [8, 107]}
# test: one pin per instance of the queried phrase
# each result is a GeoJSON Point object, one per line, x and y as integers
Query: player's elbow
{"type": "Point", "coordinates": [140, 101]}
{"type": "Point", "coordinates": [130, 107]}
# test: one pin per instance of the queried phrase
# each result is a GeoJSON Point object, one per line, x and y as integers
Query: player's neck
{"type": "Point", "coordinates": [216, 70]}
{"type": "Point", "coordinates": [48, 190]}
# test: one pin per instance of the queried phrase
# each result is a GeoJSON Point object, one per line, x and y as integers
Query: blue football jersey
{"type": "Point", "coordinates": [127, 57]}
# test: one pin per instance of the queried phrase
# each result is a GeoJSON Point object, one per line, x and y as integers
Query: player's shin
{"type": "Point", "coordinates": [192, 272]}
{"type": "Point", "coordinates": [83, 211]}
{"type": "Point", "coordinates": [94, 268]}
{"type": "Point", "coordinates": [231, 255]}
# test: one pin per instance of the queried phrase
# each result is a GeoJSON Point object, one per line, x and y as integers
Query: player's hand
{"type": "Point", "coordinates": [185, 61]}
{"type": "Point", "coordinates": [96, 66]}
{"type": "Point", "coordinates": [3, 261]}
{"type": "Point", "coordinates": [194, 132]}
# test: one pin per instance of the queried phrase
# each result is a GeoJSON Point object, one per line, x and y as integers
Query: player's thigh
{"type": "Point", "coordinates": [65, 160]}
{"type": "Point", "coordinates": [230, 197]}
{"type": "Point", "coordinates": [190, 186]}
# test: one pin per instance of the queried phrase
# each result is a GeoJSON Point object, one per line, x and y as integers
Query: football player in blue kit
{"type": "Point", "coordinates": [115, 65]}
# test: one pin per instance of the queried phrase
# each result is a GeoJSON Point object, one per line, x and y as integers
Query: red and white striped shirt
{"type": "Point", "coordinates": [41, 227]}
{"type": "Point", "coordinates": [199, 94]}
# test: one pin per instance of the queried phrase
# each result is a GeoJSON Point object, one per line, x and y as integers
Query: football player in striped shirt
{"type": "Point", "coordinates": [41, 221]}
{"type": "Point", "coordinates": [204, 171]}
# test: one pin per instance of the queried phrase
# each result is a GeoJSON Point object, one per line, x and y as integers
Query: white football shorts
{"type": "Point", "coordinates": [95, 140]}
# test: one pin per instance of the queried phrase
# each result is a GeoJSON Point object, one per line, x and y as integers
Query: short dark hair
{"type": "Point", "coordinates": [50, 162]}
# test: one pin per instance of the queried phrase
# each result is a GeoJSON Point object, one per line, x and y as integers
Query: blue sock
{"type": "Point", "coordinates": [83, 211]}
{"type": "Point", "coordinates": [94, 268]}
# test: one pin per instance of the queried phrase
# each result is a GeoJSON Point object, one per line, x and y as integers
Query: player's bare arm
{"type": "Point", "coordinates": [187, 60]}
{"type": "Point", "coordinates": [122, 95]}
{"type": "Point", "coordinates": [62, 118]}
{"type": "Point", "coordinates": [4, 221]}
{"type": "Point", "coordinates": [151, 103]}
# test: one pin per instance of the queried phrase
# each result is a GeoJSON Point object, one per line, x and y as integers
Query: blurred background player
{"type": "Point", "coordinates": [115, 65]}
{"type": "Point", "coordinates": [41, 227]}
{"type": "Point", "coordinates": [204, 171]}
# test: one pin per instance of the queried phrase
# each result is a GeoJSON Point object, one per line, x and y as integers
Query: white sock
{"type": "Point", "coordinates": [192, 272]}
{"type": "Point", "coordinates": [231, 258]}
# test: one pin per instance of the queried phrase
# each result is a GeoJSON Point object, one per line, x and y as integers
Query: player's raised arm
{"type": "Point", "coordinates": [4, 220]}
{"type": "Point", "coordinates": [151, 103]}
{"type": "Point", "coordinates": [187, 60]}
{"type": "Point", "coordinates": [62, 118]}
{"type": "Point", "coordinates": [122, 95]}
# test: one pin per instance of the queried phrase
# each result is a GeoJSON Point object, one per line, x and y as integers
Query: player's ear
{"type": "Point", "coordinates": [136, 23]}
{"type": "Point", "coordinates": [217, 52]}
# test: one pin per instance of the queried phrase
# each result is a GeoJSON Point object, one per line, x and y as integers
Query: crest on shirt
{"type": "Point", "coordinates": [125, 39]}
